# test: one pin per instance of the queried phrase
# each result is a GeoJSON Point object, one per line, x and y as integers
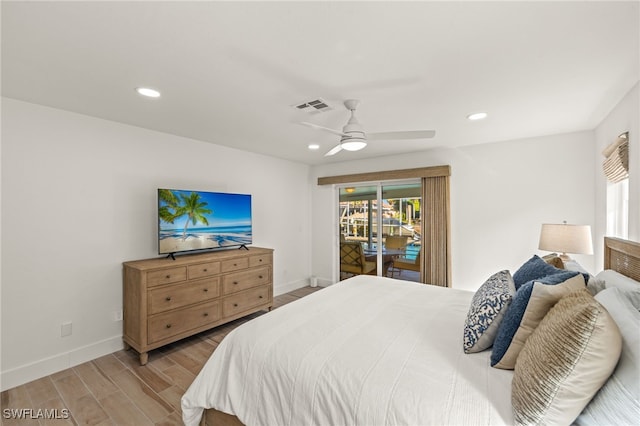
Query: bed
{"type": "Point", "coordinates": [365, 351]}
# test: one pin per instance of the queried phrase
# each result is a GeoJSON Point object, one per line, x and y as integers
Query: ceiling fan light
{"type": "Point", "coordinates": [148, 92]}
{"type": "Point", "coordinates": [477, 116]}
{"type": "Point", "coordinates": [353, 144]}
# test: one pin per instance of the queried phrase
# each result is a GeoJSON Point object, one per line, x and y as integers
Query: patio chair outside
{"type": "Point", "coordinates": [399, 243]}
{"type": "Point", "coordinates": [352, 259]}
{"type": "Point", "coordinates": [407, 264]}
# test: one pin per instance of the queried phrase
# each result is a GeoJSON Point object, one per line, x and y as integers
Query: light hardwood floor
{"type": "Point", "coordinates": [116, 390]}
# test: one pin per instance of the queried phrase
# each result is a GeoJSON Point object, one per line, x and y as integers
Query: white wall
{"type": "Point", "coordinates": [625, 117]}
{"type": "Point", "coordinates": [500, 195]}
{"type": "Point", "coordinates": [79, 198]}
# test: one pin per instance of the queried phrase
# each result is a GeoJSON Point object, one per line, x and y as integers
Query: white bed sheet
{"type": "Point", "coordinates": [366, 351]}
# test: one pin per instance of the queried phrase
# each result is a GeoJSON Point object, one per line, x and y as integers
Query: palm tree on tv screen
{"type": "Point", "coordinates": [194, 208]}
{"type": "Point", "coordinates": [170, 204]}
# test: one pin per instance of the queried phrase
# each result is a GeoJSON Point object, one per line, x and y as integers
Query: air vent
{"type": "Point", "coordinates": [314, 106]}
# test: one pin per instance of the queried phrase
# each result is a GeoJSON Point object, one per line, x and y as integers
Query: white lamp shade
{"type": "Point", "coordinates": [565, 238]}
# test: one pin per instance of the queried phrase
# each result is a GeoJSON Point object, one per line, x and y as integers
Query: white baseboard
{"type": "Point", "coordinates": [325, 282]}
{"type": "Point", "coordinates": [290, 286]}
{"type": "Point", "coordinates": [294, 285]}
{"type": "Point", "coordinates": [38, 369]}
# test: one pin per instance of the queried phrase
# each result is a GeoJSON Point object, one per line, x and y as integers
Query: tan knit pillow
{"type": "Point", "coordinates": [554, 260]}
{"type": "Point", "coordinates": [564, 362]}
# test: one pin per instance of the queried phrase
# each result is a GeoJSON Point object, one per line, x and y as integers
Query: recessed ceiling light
{"type": "Point", "coordinates": [314, 146]}
{"type": "Point", "coordinates": [477, 116]}
{"type": "Point", "coordinates": [145, 91]}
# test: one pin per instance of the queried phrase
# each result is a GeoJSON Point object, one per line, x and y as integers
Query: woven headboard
{"type": "Point", "coordinates": [622, 256]}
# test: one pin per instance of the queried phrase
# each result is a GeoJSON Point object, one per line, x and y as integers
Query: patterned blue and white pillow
{"type": "Point", "coordinates": [486, 311]}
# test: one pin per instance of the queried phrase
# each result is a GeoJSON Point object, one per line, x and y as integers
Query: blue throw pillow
{"type": "Point", "coordinates": [533, 269]}
{"type": "Point", "coordinates": [515, 314]}
{"type": "Point", "coordinates": [486, 311]}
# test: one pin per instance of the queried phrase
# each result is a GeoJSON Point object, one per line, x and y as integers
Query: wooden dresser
{"type": "Point", "coordinates": [167, 300]}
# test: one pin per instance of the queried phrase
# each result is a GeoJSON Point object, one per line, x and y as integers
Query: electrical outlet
{"type": "Point", "coordinates": [66, 329]}
{"type": "Point", "coordinates": [117, 315]}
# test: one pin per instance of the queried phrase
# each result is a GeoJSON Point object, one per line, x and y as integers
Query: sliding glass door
{"type": "Point", "coordinates": [379, 225]}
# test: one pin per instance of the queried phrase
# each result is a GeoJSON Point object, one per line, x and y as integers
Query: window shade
{"type": "Point", "coordinates": [616, 163]}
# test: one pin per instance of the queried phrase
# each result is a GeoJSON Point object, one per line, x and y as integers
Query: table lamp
{"type": "Point", "coordinates": [564, 238]}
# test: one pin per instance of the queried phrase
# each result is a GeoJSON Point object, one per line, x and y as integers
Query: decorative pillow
{"type": "Point", "coordinates": [618, 402]}
{"type": "Point", "coordinates": [564, 362]}
{"type": "Point", "coordinates": [530, 304]}
{"type": "Point", "coordinates": [533, 269]}
{"type": "Point", "coordinates": [554, 260]}
{"type": "Point", "coordinates": [486, 311]}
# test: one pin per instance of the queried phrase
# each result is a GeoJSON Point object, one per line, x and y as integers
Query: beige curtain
{"type": "Point", "coordinates": [616, 162]}
{"type": "Point", "coordinates": [436, 231]}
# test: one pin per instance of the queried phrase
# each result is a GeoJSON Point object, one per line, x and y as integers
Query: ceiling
{"type": "Point", "coordinates": [229, 72]}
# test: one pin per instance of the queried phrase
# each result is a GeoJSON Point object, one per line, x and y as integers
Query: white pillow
{"type": "Point", "coordinates": [616, 279]}
{"type": "Point", "coordinates": [594, 285]}
{"type": "Point", "coordinates": [618, 401]}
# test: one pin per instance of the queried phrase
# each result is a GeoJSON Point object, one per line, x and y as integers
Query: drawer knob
{"type": "Point", "coordinates": [168, 276]}
{"type": "Point", "coordinates": [259, 260]}
{"type": "Point", "coordinates": [235, 305]}
{"type": "Point", "coordinates": [260, 276]}
{"type": "Point", "coordinates": [206, 290]}
{"type": "Point", "coordinates": [235, 264]}
{"type": "Point", "coordinates": [204, 270]}
{"type": "Point", "coordinates": [260, 297]}
{"type": "Point", "coordinates": [168, 299]}
{"type": "Point", "coordinates": [206, 314]}
{"type": "Point", "coordinates": [235, 283]}
{"type": "Point", "coordinates": [168, 325]}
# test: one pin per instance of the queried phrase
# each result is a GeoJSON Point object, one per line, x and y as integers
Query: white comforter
{"type": "Point", "coordinates": [365, 351]}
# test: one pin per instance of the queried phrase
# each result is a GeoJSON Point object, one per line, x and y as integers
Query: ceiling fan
{"type": "Point", "coordinates": [353, 137]}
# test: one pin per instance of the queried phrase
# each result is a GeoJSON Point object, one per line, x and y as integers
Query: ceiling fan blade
{"type": "Point", "coordinates": [412, 134]}
{"type": "Point", "coordinates": [336, 149]}
{"type": "Point", "coordinates": [326, 129]}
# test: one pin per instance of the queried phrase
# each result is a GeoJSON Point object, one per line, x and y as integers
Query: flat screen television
{"type": "Point", "coordinates": [199, 220]}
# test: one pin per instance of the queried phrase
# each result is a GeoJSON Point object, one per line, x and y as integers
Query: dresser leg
{"type": "Point", "coordinates": [144, 357]}
{"type": "Point", "coordinates": [126, 345]}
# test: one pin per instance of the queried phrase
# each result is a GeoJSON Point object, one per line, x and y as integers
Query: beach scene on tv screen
{"type": "Point", "coordinates": [197, 220]}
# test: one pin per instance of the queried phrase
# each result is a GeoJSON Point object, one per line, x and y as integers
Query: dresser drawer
{"type": "Point", "coordinates": [247, 299]}
{"type": "Point", "coordinates": [203, 270]}
{"type": "Point", "coordinates": [188, 293]}
{"type": "Point", "coordinates": [239, 281]}
{"type": "Point", "coordinates": [235, 264]}
{"type": "Point", "coordinates": [167, 276]}
{"type": "Point", "coordinates": [171, 323]}
{"type": "Point", "coordinates": [265, 259]}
